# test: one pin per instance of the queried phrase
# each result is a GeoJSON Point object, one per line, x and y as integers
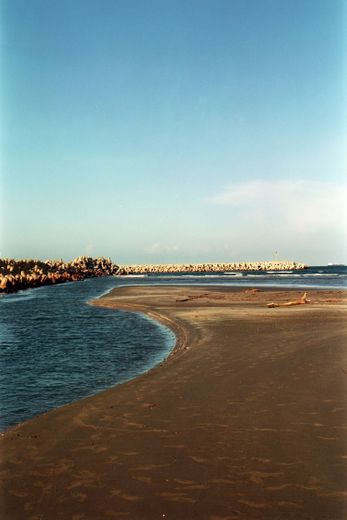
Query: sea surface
{"type": "Point", "coordinates": [56, 348]}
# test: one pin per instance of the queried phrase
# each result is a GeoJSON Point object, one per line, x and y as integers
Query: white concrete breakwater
{"type": "Point", "coordinates": [211, 267]}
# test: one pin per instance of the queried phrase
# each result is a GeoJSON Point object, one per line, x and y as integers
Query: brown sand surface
{"type": "Point", "coordinates": [245, 420]}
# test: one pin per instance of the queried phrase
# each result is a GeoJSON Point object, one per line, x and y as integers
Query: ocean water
{"type": "Point", "coordinates": [319, 277]}
{"type": "Point", "coordinates": [56, 348]}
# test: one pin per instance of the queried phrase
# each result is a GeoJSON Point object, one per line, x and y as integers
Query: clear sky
{"type": "Point", "coordinates": [174, 130]}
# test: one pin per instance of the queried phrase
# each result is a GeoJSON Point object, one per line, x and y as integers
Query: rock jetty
{"type": "Point", "coordinates": [211, 268]}
{"type": "Point", "coordinates": [16, 275]}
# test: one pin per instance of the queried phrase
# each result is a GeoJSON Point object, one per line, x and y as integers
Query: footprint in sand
{"type": "Point", "coordinates": [198, 460]}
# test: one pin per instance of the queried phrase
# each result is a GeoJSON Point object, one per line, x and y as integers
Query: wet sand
{"type": "Point", "coordinates": [245, 420]}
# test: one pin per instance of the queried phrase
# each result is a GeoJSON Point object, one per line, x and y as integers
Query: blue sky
{"type": "Point", "coordinates": [169, 131]}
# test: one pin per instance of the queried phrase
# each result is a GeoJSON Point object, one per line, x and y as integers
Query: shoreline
{"type": "Point", "coordinates": [176, 326]}
{"type": "Point", "coordinates": [181, 337]}
{"type": "Point", "coordinates": [246, 422]}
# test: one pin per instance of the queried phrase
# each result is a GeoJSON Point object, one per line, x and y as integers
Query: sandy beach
{"type": "Point", "coordinates": [246, 419]}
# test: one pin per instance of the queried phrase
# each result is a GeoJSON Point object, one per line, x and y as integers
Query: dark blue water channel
{"type": "Point", "coordinates": [55, 348]}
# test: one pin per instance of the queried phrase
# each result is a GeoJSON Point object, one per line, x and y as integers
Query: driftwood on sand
{"type": "Point", "coordinates": [302, 301]}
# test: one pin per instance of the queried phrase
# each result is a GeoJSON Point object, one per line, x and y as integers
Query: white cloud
{"type": "Point", "coordinates": [300, 206]}
{"type": "Point", "coordinates": [159, 248]}
{"type": "Point", "coordinates": [89, 250]}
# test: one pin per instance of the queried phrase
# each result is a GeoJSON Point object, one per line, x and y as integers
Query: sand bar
{"type": "Point", "coordinates": [245, 420]}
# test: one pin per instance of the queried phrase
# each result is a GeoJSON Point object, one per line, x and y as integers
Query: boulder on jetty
{"type": "Point", "coordinates": [16, 275]}
{"type": "Point", "coordinates": [211, 267]}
